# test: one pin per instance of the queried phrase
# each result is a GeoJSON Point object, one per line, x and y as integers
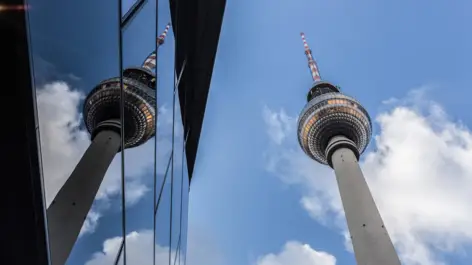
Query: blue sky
{"type": "Point", "coordinates": [253, 190]}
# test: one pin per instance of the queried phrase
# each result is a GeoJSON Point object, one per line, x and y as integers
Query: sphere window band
{"type": "Point", "coordinates": [328, 115]}
{"type": "Point", "coordinates": [139, 108]}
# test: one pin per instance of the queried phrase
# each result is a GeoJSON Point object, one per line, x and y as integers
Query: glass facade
{"type": "Point", "coordinates": [139, 213]}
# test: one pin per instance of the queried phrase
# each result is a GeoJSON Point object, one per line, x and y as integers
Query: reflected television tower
{"type": "Point", "coordinates": [335, 129]}
{"type": "Point", "coordinates": [102, 117]}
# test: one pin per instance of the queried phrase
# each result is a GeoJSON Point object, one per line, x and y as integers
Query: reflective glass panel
{"type": "Point", "coordinates": [164, 142]}
{"type": "Point", "coordinates": [140, 110]}
{"type": "Point", "coordinates": [75, 46]}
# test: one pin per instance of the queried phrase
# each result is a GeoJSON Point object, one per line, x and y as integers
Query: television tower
{"type": "Point", "coordinates": [335, 129]}
{"type": "Point", "coordinates": [102, 117]}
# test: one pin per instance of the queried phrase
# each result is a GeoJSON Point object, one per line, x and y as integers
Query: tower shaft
{"type": "Point", "coordinates": [70, 207]}
{"type": "Point", "coordinates": [371, 242]}
{"type": "Point", "coordinates": [150, 61]}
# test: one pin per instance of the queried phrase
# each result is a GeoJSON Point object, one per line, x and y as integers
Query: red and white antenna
{"type": "Point", "coordinates": [150, 62]}
{"type": "Point", "coordinates": [160, 39]}
{"type": "Point", "coordinates": [315, 73]}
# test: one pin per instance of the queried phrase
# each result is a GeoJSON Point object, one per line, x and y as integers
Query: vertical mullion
{"type": "Point", "coordinates": [122, 112]}
{"type": "Point", "coordinates": [155, 143]}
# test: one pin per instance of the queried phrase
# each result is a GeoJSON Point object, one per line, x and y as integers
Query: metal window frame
{"type": "Point", "coordinates": [23, 202]}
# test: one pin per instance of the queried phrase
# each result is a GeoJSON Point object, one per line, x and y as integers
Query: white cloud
{"type": "Point", "coordinates": [63, 143]}
{"type": "Point", "coordinates": [419, 173]}
{"type": "Point", "coordinates": [299, 254]}
{"type": "Point", "coordinates": [278, 124]}
{"type": "Point", "coordinates": [139, 249]}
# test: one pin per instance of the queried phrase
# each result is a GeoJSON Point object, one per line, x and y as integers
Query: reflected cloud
{"type": "Point", "coordinates": [64, 140]}
{"type": "Point", "coordinates": [139, 249]}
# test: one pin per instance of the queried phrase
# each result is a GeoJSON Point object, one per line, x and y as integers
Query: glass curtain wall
{"type": "Point", "coordinates": [139, 31]}
{"type": "Point", "coordinates": [139, 214]}
{"type": "Point", "coordinates": [74, 47]}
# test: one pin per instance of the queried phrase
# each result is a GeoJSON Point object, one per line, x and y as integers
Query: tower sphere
{"type": "Point", "coordinates": [102, 106]}
{"type": "Point", "coordinates": [330, 113]}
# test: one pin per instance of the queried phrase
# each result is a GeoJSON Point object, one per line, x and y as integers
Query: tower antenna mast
{"type": "Point", "coordinates": [315, 73]}
{"type": "Point", "coordinates": [150, 62]}
{"type": "Point", "coordinates": [161, 38]}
